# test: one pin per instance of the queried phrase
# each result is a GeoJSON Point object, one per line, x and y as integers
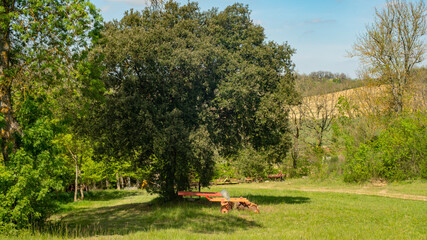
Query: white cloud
{"type": "Point", "coordinates": [105, 8]}
{"type": "Point", "coordinates": [258, 22]}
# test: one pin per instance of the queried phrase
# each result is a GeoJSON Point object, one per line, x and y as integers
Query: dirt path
{"type": "Point", "coordinates": [382, 193]}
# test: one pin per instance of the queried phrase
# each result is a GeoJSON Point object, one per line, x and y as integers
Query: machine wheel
{"type": "Point", "coordinates": [224, 209]}
{"type": "Point", "coordinates": [241, 206]}
{"type": "Point", "coordinates": [254, 208]}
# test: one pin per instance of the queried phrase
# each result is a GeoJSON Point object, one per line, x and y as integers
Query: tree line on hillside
{"type": "Point", "coordinates": [175, 96]}
{"type": "Point", "coordinates": [324, 82]}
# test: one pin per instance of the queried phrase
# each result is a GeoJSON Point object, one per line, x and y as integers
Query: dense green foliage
{"type": "Point", "coordinates": [33, 171]}
{"type": "Point", "coordinates": [175, 97]}
{"type": "Point", "coordinates": [183, 84]}
{"type": "Point", "coordinates": [396, 152]}
{"type": "Point", "coordinates": [43, 47]}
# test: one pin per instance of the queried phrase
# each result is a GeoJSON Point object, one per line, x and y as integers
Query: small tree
{"type": "Point", "coordinates": [393, 45]}
{"type": "Point", "coordinates": [319, 112]}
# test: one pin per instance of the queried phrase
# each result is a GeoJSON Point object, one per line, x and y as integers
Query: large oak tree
{"type": "Point", "coordinates": [182, 82]}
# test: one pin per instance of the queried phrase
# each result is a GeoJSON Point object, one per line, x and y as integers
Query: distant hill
{"type": "Point", "coordinates": [359, 101]}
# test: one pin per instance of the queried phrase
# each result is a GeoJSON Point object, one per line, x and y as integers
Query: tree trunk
{"type": "Point", "coordinates": [138, 183]}
{"type": "Point", "coordinates": [121, 181]}
{"type": "Point", "coordinates": [320, 139]}
{"type": "Point", "coordinates": [295, 152]}
{"type": "Point", "coordinates": [397, 99]}
{"type": "Point", "coordinates": [11, 124]}
{"type": "Point", "coordinates": [170, 177]}
{"type": "Point", "coordinates": [128, 182]}
{"type": "Point", "coordinates": [76, 182]}
{"type": "Point", "coordinates": [118, 181]}
{"type": "Point", "coordinates": [107, 183]}
{"type": "Point", "coordinates": [82, 196]}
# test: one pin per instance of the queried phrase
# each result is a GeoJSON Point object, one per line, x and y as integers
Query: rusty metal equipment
{"type": "Point", "coordinates": [227, 203]}
{"type": "Point", "coordinates": [279, 176]}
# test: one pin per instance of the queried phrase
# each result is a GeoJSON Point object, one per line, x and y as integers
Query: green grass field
{"type": "Point", "coordinates": [294, 209]}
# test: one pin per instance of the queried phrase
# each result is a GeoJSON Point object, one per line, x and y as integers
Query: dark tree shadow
{"type": "Point", "coordinates": [128, 218]}
{"type": "Point", "coordinates": [102, 195]}
{"type": "Point", "coordinates": [108, 195]}
{"type": "Point", "coordinates": [265, 200]}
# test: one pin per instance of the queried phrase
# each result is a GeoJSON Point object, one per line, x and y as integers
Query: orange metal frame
{"type": "Point", "coordinates": [201, 194]}
{"type": "Point", "coordinates": [226, 205]}
{"type": "Point", "coordinates": [209, 196]}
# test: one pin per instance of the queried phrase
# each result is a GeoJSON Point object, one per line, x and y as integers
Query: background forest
{"type": "Point", "coordinates": [173, 97]}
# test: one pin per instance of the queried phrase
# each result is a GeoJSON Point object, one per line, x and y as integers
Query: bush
{"type": "Point", "coordinates": [223, 167]}
{"type": "Point", "coordinates": [32, 173]}
{"type": "Point", "coordinates": [397, 153]}
{"type": "Point", "coordinates": [251, 163]}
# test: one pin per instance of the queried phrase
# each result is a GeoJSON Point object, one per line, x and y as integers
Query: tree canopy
{"type": "Point", "coordinates": [43, 49]}
{"type": "Point", "coordinates": [40, 42]}
{"type": "Point", "coordinates": [178, 79]}
{"type": "Point", "coordinates": [393, 45]}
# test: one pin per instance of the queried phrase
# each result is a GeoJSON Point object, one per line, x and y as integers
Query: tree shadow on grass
{"type": "Point", "coordinates": [101, 195]}
{"type": "Point", "coordinates": [202, 217]}
{"type": "Point", "coordinates": [109, 195]}
{"type": "Point", "coordinates": [266, 200]}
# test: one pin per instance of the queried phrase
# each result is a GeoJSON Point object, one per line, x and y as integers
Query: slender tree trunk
{"type": "Point", "coordinates": [107, 183]}
{"type": "Point", "coordinates": [122, 184]}
{"type": "Point", "coordinates": [118, 181]}
{"type": "Point", "coordinates": [128, 182]}
{"type": "Point", "coordinates": [171, 177]}
{"type": "Point", "coordinates": [138, 183]}
{"type": "Point", "coordinates": [295, 152]}
{"type": "Point", "coordinates": [397, 99]}
{"type": "Point", "coordinates": [320, 139]}
{"type": "Point", "coordinates": [82, 196]}
{"type": "Point", "coordinates": [76, 182]}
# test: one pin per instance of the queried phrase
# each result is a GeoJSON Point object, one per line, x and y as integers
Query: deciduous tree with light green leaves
{"type": "Point", "coordinates": [392, 46]}
{"type": "Point", "coordinates": [40, 42]}
{"type": "Point", "coordinates": [43, 46]}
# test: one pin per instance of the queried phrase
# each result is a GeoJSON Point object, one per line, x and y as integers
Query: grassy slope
{"type": "Point", "coordinates": [368, 99]}
{"type": "Point", "coordinates": [287, 212]}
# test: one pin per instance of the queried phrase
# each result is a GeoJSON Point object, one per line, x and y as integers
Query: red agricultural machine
{"type": "Point", "coordinates": [227, 203]}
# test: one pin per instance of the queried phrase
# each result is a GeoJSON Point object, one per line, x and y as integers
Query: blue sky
{"type": "Point", "coordinates": [321, 31]}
